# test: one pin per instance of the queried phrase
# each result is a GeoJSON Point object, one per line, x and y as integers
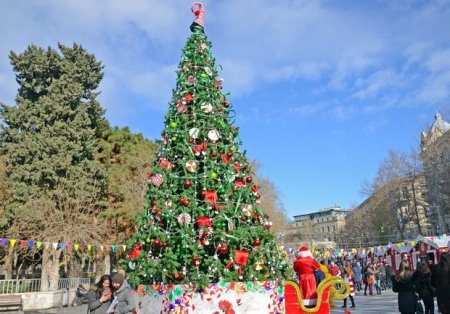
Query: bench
{"type": "Point", "coordinates": [294, 302]}
{"type": "Point", "coordinates": [11, 302]}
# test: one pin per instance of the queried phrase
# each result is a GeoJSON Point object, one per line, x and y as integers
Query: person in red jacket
{"type": "Point", "coordinates": [305, 266]}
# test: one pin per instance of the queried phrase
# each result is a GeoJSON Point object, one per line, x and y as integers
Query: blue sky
{"type": "Point", "coordinates": [322, 89]}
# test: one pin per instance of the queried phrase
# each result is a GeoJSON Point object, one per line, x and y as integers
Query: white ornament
{"type": "Point", "coordinates": [191, 166]}
{"type": "Point", "coordinates": [194, 132]}
{"type": "Point", "coordinates": [213, 135]}
{"type": "Point", "coordinates": [206, 107]}
{"type": "Point", "coordinates": [247, 210]}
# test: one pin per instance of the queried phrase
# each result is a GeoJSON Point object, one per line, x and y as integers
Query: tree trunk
{"type": "Point", "coordinates": [50, 269]}
{"type": "Point", "coordinates": [102, 265]}
{"type": "Point", "coordinates": [416, 209]}
{"type": "Point", "coordinates": [8, 263]}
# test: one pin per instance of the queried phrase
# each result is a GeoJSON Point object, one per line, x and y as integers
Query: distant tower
{"type": "Point", "coordinates": [439, 127]}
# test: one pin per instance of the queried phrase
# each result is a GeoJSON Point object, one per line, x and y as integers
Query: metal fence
{"type": "Point", "coordinates": [34, 285]}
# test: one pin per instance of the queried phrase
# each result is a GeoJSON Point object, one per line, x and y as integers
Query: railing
{"type": "Point", "coordinates": [34, 285]}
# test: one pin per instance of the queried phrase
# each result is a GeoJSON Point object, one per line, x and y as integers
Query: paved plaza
{"type": "Point", "coordinates": [386, 303]}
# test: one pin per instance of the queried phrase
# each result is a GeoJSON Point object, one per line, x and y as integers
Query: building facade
{"type": "Point", "coordinates": [316, 228]}
{"type": "Point", "coordinates": [435, 154]}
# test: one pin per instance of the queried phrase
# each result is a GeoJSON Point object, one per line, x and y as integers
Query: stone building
{"type": "Point", "coordinates": [316, 228]}
{"type": "Point", "coordinates": [435, 154]}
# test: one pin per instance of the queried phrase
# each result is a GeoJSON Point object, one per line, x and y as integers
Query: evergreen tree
{"type": "Point", "coordinates": [125, 156]}
{"type": "Point", "coordinates": [49, 140]}
{"type": "Point", "coordinates": [202, 221]}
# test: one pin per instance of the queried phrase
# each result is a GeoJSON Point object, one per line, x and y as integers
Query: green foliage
{"type": "Point", "coordinates": [126, 157]}
{"type": "Point", "coordinates": [202, 213]}
{"type": "Point", "coordinates": [49, 137]}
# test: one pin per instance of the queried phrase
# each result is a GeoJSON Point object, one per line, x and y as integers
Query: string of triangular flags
{"type": "Point", "coordinates": [379, 250]}
{"type": "Point", "coordinates": [70, 246]}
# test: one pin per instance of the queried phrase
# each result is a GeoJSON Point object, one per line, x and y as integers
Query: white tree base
{"type": "Point", "coordinates": [232, 298]}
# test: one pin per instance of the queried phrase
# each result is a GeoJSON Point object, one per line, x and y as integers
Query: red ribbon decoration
{"type": "Point", "coordinates": [211, 198]}
{"type": "Point", "coordinates": [237, 167]}
{"type": "Point", "coordinates": [135, 252]}
{"type": "Point", "coordinates": [204, 221]}
{"type": "Point", "coordinates": [200, 148]}
{"type": "Point", "coordinates": [239, 183]}
{"type": "Point", "coordinates": [240, 259]}
{"type": "Point", "coordinates": [225, 158]}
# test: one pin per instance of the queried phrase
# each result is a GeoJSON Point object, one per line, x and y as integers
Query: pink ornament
{"type": "Point", "coordinates": [157, 179]}
{"type": "Point", "coordinates": [184, 219]}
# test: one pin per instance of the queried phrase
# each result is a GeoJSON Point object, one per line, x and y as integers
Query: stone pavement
{"type": "Point", "coordinates": [386, 303]}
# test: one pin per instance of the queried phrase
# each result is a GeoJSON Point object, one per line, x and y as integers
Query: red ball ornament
{"type": "Point", "coordinates": [165, 244]}
{"type": "Point", "coordinates": [156, 242]}
{"type": "Point", "coordinates": [222, 249]}
{"type": "Point", "coordinates": [184, 201]}
{"type": "Point", "coordinates": [226, 104]}
{"type": "Point", "coordinates": [257, 195]}
{"type": "Point", "coordinates": [191, 140]}
{"type": "Point", "coordinates": [230, 154]}
{"type": "Point", "coordinates": [257, 242]}
{"type": "Point", "coordinates": [187, 184]}
{"type": "Point", "coordinates": [248, 179]}
{"type": "Point", "coordinates": [178, 276]}
{"type": "Point", "coordinates": [213, 154]}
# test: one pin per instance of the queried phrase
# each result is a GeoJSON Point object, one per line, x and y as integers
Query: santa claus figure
{"type": "Point", "coordinates": [305, 266]}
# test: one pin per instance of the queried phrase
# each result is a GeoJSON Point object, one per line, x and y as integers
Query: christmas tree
{"type": "Point", "coordinates": [202, 222]}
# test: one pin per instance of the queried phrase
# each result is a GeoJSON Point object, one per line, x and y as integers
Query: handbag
{"type": "Point", "coordinates": [419, 308]}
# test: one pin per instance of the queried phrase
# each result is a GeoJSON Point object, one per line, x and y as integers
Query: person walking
{"type": "Point", "coordinates": [348, 274]}
{"type": "Point", "coordinates": [424, 288]}
{"type": "Point", "coordinates": [403, 284]}
{"type": "Point", "coordinates": [388, 275]}
{"type": "Point", "coordinates": [123, 302]}
{"type": "Point", "coordinates": [382, 273]}
{"type": "Point", "coordinates": [357, 275]}
{"type": "Point", "coordinates": [377, 278]}
{"type": "Point", "coordinates": [99, 297]}
{"type": "Point", "coordinates": [370, 275]}
{"type": "Point", "coordinates": [334, 269]}
{"type": "Point", "coordinates": [440, 280]}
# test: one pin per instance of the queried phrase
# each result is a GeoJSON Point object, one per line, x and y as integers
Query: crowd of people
{"type": "Point", "coordinates": [112, 294]}
{"type": "Point", "coordinates": [413, 287]}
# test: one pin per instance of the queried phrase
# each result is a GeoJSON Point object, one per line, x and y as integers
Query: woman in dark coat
{"type": "Point", "coordinates": [440, 280]}
{"type": "Point", "coordinates": [403, 284]}
{"type": "Point", "coordinates": [423, 287]}
{"type": "Point", "coordinates": [100, 296]}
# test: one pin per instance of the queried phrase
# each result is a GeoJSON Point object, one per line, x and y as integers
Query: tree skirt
{"type": "Point", "coordinates": [220, 298]}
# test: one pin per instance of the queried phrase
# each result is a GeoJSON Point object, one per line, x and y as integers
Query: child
{"type": "Point", "coordinates": [348, 273]}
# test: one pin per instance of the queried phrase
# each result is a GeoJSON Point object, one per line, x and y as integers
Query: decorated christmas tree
{"type": "Point", "coordinates": [202, 221]}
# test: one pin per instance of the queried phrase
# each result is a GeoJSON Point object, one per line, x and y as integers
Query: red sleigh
{"type": "Point", "coordinates": [294, 301]}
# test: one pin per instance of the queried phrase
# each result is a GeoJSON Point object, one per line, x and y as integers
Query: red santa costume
{"type": "Point", "coordinates": [305, 266]}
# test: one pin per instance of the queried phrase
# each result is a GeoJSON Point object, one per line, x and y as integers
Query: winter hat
{"type": "Point", "coordinates": [117, 278]}
{"type": "Point", "coordinates": [304, 252]}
